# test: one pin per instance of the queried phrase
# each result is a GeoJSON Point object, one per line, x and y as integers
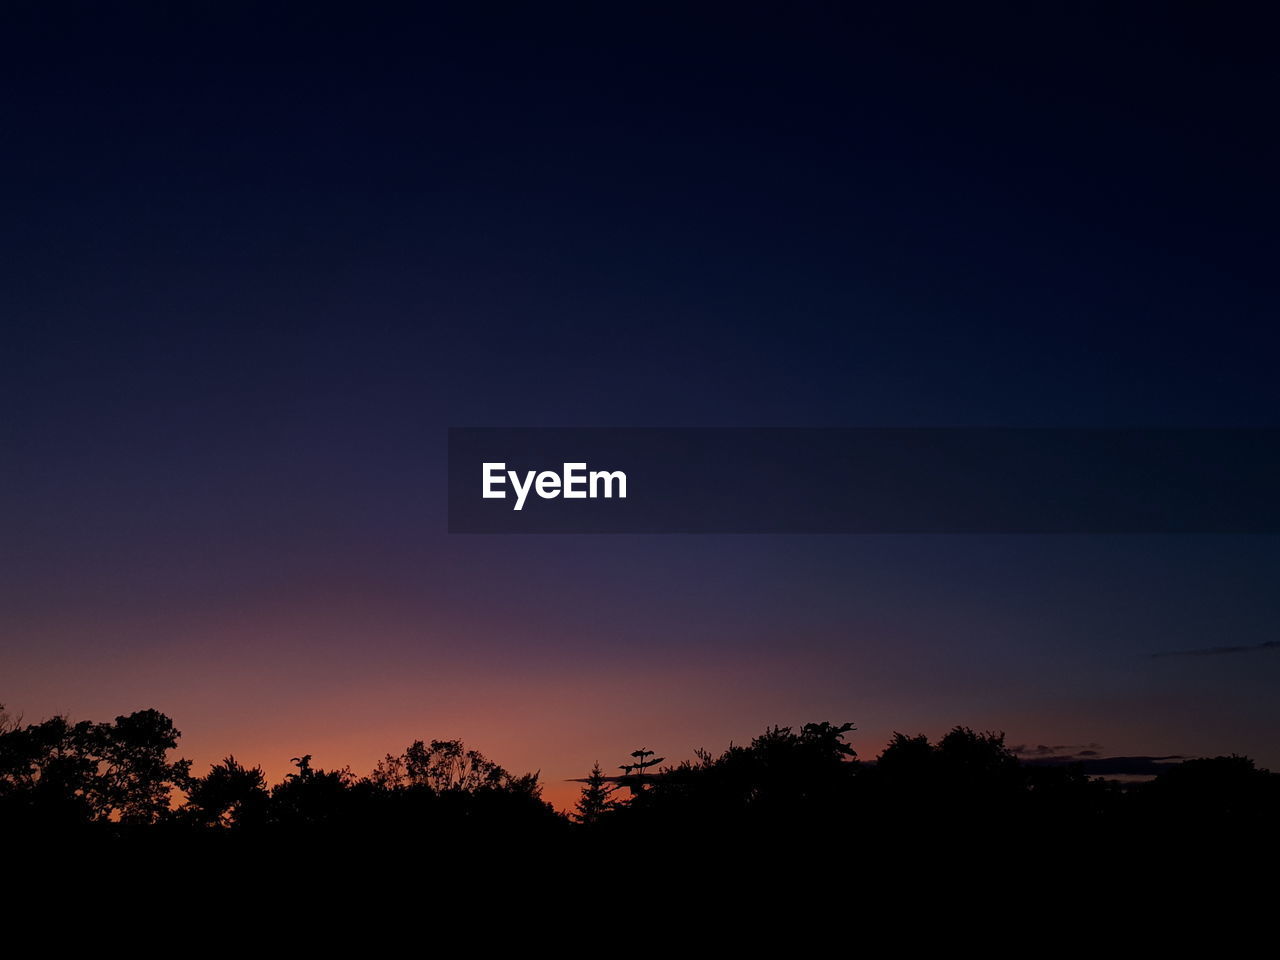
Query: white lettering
{"type": "Point", "coordinates": [548, 484]}
{"type": "Point", "coordinates": [521, 492]}
{"type": "Point", "coordinates": [493, 475]}
{"type": "Point", "coordinates": [609, 478]}
{"type": "Point", "coordinates": [574, 483]}
{"type": "Point", "coordinates": [570, 478]}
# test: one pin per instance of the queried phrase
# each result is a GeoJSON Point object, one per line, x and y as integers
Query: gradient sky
{"type": "Point", "coordinates": [254, 265]}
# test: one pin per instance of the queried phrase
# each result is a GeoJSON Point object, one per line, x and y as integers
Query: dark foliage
{"type": "Point", "coordinates": [59, 773]}
{"type": "Point", "coordinates": [806, 788]}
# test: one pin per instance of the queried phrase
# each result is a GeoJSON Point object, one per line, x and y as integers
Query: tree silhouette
{"type": "Point", "coordinates": [389, 773]}
{"type": "Point", "coordinates": [311, 796]}
{"type": "Point", "coordinates": [136, 778]}
{"type": "Point", "coordinates": [642, 764]}
{"type": "Point", "coordinates": [596, 799]}
{"type": "Point", "coordinates": [446, 765]}
{"type": "Point", "coordinates": [803, 787]}
{"type": "Point", "coordinates": [228, 795]}
{"type": "Point", "coordinates": [92, 772]}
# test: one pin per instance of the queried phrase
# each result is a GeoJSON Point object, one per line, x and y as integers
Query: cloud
{"type": "Point", "coordinates": [1090, 758]}
{"type": "Point", "coordinates": [1071, 751]}
{"type": "Point", "coordinates": [1112, 766]}
{"type": "Point", "coordinates": [1217, 651]}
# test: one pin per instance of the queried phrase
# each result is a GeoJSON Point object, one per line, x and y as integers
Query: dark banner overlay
{"type": "Point", "coordinates": [798, 480]}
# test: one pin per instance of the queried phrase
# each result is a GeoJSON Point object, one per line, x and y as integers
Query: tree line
{"type": "Point", "coordinates": [116, 779]}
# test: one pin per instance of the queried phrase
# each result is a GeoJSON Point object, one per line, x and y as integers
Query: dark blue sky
{"type": "Point", "coordinates": [255, 264]}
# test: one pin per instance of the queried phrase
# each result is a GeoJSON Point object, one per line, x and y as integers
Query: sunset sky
{"type": "Point", "coordinates": [254, 266]}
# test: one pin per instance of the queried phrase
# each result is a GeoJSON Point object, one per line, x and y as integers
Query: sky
{"type": "Point", "coordinates": [254, 264]}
